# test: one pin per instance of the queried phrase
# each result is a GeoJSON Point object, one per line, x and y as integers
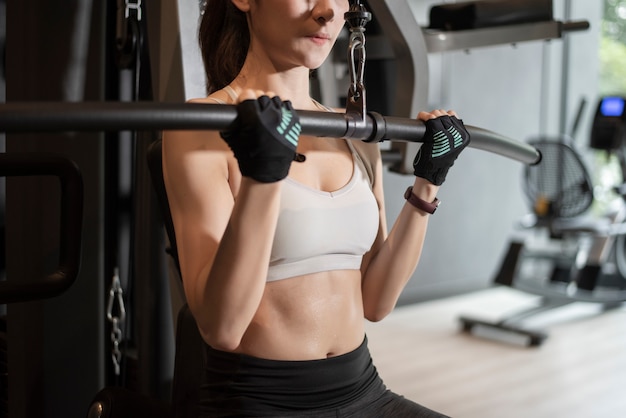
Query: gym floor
{"type": "Point", "coordinates": [578, 372]}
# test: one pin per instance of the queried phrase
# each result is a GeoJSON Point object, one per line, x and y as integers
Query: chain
{"type": "Point", "coordinates": [115, 296]}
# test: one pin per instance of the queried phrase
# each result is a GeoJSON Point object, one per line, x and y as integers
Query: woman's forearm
{"type": "Point", "coordinates": [392, 266]}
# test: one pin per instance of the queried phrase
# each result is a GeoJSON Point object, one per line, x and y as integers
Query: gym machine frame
{"type": "Point", "coordinates": [356, 123]}
{"type": "Point", "coordinates": [44, 117]}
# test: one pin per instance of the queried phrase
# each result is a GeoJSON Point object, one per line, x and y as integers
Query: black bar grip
{"type": "Point", "coordinates": [44, 164]}
{"type": "Point", "coordinates": [121, 116]}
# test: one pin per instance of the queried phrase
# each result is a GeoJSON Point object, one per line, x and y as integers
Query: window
{"type": "Point", "coordinates": [609, 168]}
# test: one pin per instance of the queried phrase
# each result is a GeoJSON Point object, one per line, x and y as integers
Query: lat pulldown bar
{"type": "Point", "coordinates": [39, 117]}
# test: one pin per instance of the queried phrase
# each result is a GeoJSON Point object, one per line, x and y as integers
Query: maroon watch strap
{"type": "Point", "coordinates": [428, 207]}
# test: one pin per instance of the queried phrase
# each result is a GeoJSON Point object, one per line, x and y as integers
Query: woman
{"type": "Point", "coordinates": [281, 261]}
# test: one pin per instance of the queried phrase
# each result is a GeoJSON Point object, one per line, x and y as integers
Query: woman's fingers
{"type": "Point", "coordinates": [434, 114]}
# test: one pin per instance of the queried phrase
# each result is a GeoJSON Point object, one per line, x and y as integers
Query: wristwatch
{"type": "Point", "coordinates": [420, 203]}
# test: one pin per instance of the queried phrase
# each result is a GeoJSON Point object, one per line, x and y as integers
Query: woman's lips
{"type": "Point", "coordinates": [319, 38]}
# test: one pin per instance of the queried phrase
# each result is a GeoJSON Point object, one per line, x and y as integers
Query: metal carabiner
{"type": "Point", "coordinates": [357, 65]}
{"type": "Point", "coordinates": [115, 294]}
{"type": "Point", "coordinates": [356, 17]}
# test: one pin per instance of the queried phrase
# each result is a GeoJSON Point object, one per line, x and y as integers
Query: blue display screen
{"type": "Point", "coordinates": [612, 106]}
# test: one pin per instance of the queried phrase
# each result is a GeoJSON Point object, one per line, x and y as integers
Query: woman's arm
{"type": "Point", "coordinates": [224, 197]}
{"type": "Point", "coordinates": [223, 242]}
{"type": "Point", "coordinates": [393, 258]}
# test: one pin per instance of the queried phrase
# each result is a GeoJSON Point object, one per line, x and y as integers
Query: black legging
{"type": "Point", "coordinates": [237, 385]}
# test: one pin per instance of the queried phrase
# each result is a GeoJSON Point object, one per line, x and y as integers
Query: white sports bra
{"type": "Point", "coordinates": [322, 231]}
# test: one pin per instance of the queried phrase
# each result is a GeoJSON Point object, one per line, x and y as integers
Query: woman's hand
{"type": "Point", "coordinates": [444, 139]}
{"type": "Point", "coordinates": [264, 136]}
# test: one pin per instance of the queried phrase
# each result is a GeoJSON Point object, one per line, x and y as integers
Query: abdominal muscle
{"type": "Point", "coordinates": [307, 317]}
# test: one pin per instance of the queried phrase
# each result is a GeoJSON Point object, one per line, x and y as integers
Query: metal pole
{"type": "Point", "coordinates": [117, 116]}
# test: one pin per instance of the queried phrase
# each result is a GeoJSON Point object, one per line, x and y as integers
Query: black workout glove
{"type": "Point", "coordinates": [264, 137]}
{"type": "Point", "coordinates": [444, 139]}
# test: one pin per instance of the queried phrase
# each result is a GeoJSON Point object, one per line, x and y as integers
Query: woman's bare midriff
{"type": "Point", "coordinates": [308, 317]}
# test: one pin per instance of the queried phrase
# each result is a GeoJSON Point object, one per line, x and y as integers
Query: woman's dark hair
{"type": "Point", "coordinates": [224, 41]}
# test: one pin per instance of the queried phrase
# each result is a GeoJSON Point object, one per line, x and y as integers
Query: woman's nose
{"type": "Point", "coordinates": [325, 10]}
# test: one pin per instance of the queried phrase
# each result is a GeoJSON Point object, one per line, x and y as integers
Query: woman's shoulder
{"type": "Point", "coordinates": [190, 139]}
{"type": "Point", "coordinates": [195, 156]}
{"type": "Point", "coordinates": [212, 99]}
{"type": "Point", "coordinates": [224, 96]}
{"type": "Point", "coordinates": [204, 100]}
